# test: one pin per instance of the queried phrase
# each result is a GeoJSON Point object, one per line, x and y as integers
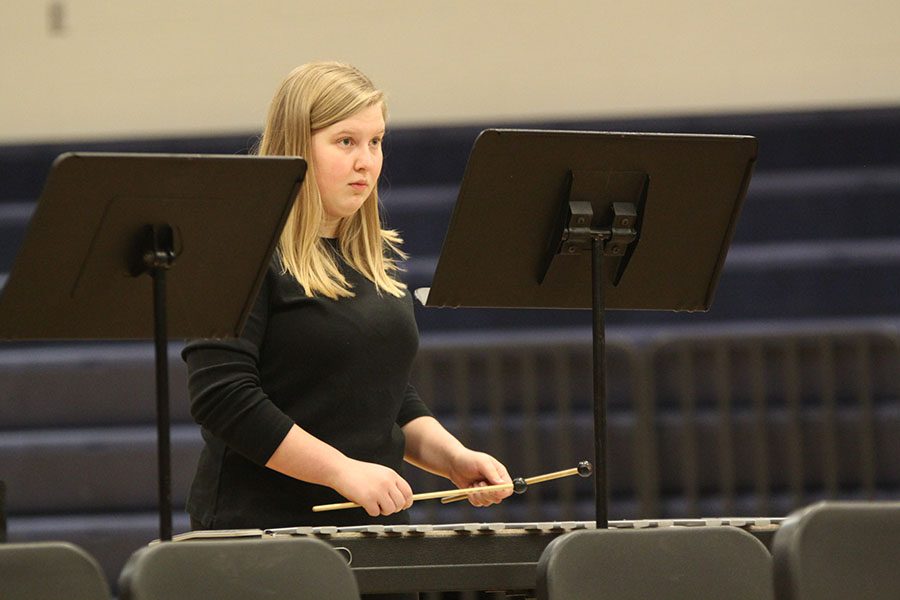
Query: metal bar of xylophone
{"type": "Point", "coordinates": [499, 557]}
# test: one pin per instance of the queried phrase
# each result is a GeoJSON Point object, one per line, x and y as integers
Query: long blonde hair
{"type": "Point", "coordinates": [311, 97]}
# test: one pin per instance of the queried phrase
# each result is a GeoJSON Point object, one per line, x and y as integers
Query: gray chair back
{"type": "Point", "coordinates": [670, 563]}
{"type": "Point", "coordinates": [50, 571]}
{"type": "Point", "coordinates": [238, 569]}
{"type": "Point", "coordinates": [839, 550]}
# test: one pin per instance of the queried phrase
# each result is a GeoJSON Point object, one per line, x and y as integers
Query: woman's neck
{"type": "Point", "coordinates": [329, 227]}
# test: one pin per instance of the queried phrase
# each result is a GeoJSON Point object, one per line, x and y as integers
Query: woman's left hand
{"type": "Point", "coordinates": [477, 469]}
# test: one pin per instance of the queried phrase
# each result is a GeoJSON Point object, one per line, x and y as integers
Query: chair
{"type": "Point", "coordinates": [670, 563]}
{"type": "Point", "coordinates": [834, 550]}
{"type": "Point", "coordinates": [238, 569]}
{"type": "Point", "coordinates": [50, 571]}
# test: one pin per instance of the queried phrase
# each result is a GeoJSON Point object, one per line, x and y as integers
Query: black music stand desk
{"type": "Point", "coordinates": [568, 219]}
{"type": "Point", "coordinates": [205, 226]}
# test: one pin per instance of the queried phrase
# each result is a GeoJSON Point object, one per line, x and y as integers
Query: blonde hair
{"type": "Point", "coordinates": [311, 97]}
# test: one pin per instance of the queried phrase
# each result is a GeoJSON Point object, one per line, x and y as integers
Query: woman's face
{"type": "Point", "coordinates": [346, 158]}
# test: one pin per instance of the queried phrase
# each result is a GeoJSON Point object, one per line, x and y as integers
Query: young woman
{"type": "Point", "coordinates": [312, 404]}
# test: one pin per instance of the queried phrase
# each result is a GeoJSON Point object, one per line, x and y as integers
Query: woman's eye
{"type": "Point", "coordinates": [376, 141]}
{"type": "Point", "coordinates": [345, 142]}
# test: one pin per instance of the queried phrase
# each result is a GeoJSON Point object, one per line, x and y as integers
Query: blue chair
{"type": "Point", "coordinates": [668, 563]}
{"type": "Point", "coordinates": [50, 571]}
{"type": "Point", "coordinates": [839, 550]}
{"type": "Point", "coordinates": [238, 569]}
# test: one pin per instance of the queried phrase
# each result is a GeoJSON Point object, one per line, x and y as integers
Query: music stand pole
{"type": "Point", "coordinates": [158, 257]}
{"type": "Point", "coordinates": [599, 355]}
{"type": "Point", "coordinates": [2, 511]}
{"type": "Point", "coordinates": [162, 405]}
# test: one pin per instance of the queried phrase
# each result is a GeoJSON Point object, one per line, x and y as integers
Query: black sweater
{"type": "Point", "coordinates": [338, 369]}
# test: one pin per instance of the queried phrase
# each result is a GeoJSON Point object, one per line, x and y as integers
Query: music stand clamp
{"type": "Point", "coordinates": [105, 219]}
{"type": "Point", "coordinates": [577, 233]}
{"type": "Point", "coordinates": [657, 212]}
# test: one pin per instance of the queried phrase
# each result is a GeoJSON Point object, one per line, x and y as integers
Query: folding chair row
{"type": "Point", "coordinates": [829, 551]}
{"type": "Point", "coordinates": [287, 569]}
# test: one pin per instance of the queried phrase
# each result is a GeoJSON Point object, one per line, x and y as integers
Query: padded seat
{"type": "Point", "coordinates": [50, 571]}
{"type": "Point", "coordinates": [838, 550]}
{"type": "Point", "coordinates": [234, 569]}
{"type": "Point", "coordinates": [671, 563]}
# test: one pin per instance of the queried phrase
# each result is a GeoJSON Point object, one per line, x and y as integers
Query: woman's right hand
{"type": "Point", "coordinates": [378, 489]}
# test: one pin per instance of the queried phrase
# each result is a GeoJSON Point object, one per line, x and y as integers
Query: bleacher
{"type": "Point", "coordinates": [786, 392]}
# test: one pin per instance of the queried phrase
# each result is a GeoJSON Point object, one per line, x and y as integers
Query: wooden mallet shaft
{"type": "Point", "coordinates": [519, 485]}
{"type": "Point", "coordinates": [583, 469]}
{"type": "Point", "coordinates": [422, 496]}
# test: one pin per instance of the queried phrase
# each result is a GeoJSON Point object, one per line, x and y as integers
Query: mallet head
{"type": "Point", "coordinates": [585, 469]}
{"type": "Point", "coordinates": [519, 485]}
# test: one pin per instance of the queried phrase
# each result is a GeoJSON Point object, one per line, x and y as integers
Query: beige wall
{"type": "Point", "coordinates": [158, 67]}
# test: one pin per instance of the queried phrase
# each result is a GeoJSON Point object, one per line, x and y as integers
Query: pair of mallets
{"type": "Point", "coordinates": [518, 485]}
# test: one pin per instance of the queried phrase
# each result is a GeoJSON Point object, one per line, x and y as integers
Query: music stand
{"type": "Point", "coordinates": [569, 219]}
{"type": "Point", "coordinates": [205, 226]}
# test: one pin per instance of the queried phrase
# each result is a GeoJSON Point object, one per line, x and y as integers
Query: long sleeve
{"type": "Point", "coordinates": [226, 394]}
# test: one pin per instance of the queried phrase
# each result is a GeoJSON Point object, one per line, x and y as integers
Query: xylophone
{"type": "Point", "coordinates": [500, 557]}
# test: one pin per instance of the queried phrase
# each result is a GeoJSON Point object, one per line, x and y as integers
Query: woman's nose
{"type": "Point", "coordinates": [364, 160]}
